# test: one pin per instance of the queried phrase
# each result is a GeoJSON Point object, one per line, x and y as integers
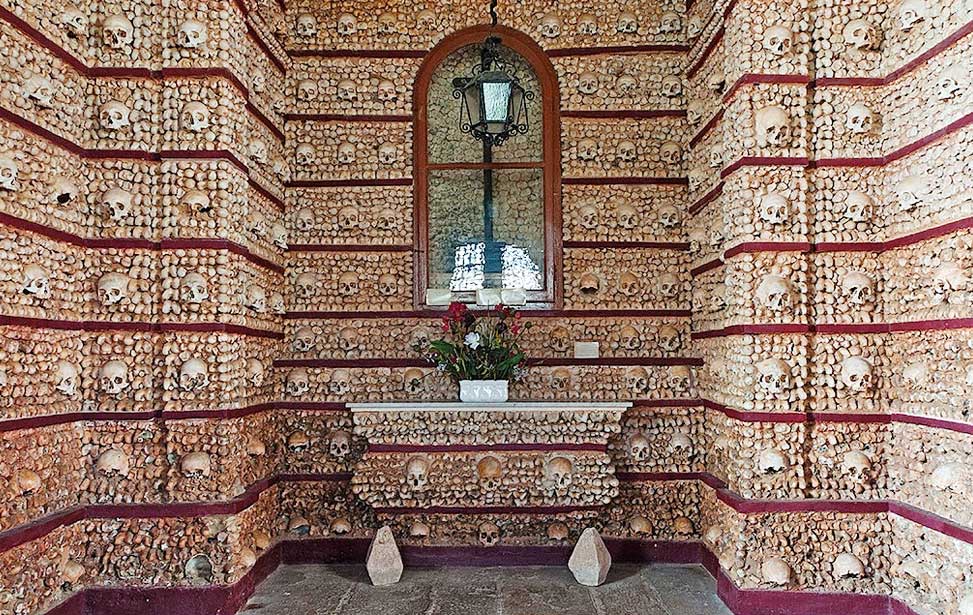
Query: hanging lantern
{"type": "Point", "coordinates": [493, 104]}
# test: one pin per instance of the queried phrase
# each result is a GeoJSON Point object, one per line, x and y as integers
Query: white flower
{"type": "Point", "coordinates": [472, 340]}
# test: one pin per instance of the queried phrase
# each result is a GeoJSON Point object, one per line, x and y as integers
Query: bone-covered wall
{"type": "Point", "coordinates": [207, 212]}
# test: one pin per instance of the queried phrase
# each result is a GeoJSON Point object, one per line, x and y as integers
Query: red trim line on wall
{"type": "Point", "coordinates": [348, 183]}
{"type": "Point", "coordinates": [101, 325]}
{"type": "Point", "coordinates": [593, 313]}
{"type": "Point", "coordinates": [337, 117]}
{"type": "Point", "coordinates": [680, 246]}
{"type": "Point", "coordinates": [485, 448]}
{"type": "Point", "coordinates": [944, 324]}
{"type": "Point", "coordinates": [487, 510]}
{"type": "Point", "coordinates": [624, 114]}
{"type": "Point", "coordinates": [358, 53]}
{"type": "Point", "coordinates": [613, 181]}
{"type": "Point", "coordinates": [708, 126]}
{"type": "Point", "coordinates": [537, 362]}
{"type": "Point", "coordinates": [337, 247]}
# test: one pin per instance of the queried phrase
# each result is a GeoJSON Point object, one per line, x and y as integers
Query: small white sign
{"type": "Point", "coordinates": [586, 350]}
{"type": "Point", "coordinates": [488, 297]}
{"type": "Point", "coordinates": [438, 296]}
{"type": "Point", "coordinates": [513, 296]}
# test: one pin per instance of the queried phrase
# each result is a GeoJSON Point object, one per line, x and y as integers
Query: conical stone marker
{"type": "Point", "coordinates": [384, 563]}
{"type": "Point", "coordinates": [590, 560]}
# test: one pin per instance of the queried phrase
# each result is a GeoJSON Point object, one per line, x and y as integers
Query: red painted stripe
{"type": "Point", "coordinates": [616, 49]}
{"type": "Point", "coordinates": [535, 362]}
{"type": "Point", "coordinates": [357, 53]}
{"type": "Point", "coordinates": [313, 406]}
{"type": "Point", "coordinates": [348, 183]}
{"type": "Point", "coordinates": [765, 161]}
{"type": "Point", "coordinates": [708, 126]}
{"type": "Point", "coordinates": [666, 403]}
{"type": "Point", "coordinates": [838, 328]}
{"type": "Point", "coordinates": [764, 78]}
{"type": "Point", "coordinates": [767, 246]}
{"type": "Point", "coordinates": [755, 417]}
{"type": "Point", "coordinates": [651, 477]}
{"type": "Point", "coordinates": [759, 329]}
{"type": "Point", "coordinates": [707, 198]}
{"type": "Point", "coordinates": [716, 263]}
{"type": "Point", "coordinates": [336, 247]}
{"type": "Point", "coordinates": [336, 117]}
{"type": "Point", "coordinates": [528, 313]}
{"type": "Point", "coordinates": [628, 245]}
{"type": "Point", "coordinates": [94, 325]}
{"type": "Point", "coordinates": [485, 510]}
{"type": "Point", "coordinates": [698, 64]}
{"type": "Point", "coordinates": [624, 114]}
{"type": "Point", "coordinates": [910, 419]}
{"type": "Point", "coordinates": [612, 181]}
{"type": "Point", "coordinates": [478, 448]}
{"type": "Point", "coordinates": [932, 521]}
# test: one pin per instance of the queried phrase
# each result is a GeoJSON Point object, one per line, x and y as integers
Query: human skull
{"type": "Point", "coordinates": [259, 82]}
{"type": "Point", "coordinates": [859, 119]}
{"type": "Point", "coordinates": [587, 150]}
{"type": "Point", "coordinates": [114, 115]}
{"type": "Point", "coordinates": [948, 279]}
{"type": "Point", "coordinates": [340, 526]}
{"type": "Point", "coordinates": [304, 219]}
{"type": "Point", "coordinates": [36, 282]}
{"type": "Point", "coordinates": [347, 24]}
{"type": "Point", "coordinates": [255, 372]}
{"type": "Point", "coordinates": [773, 127]}
{"type": "Point", "coordinates": [858, 206]}
{"type": "Point", "coordinates": [257, 224]}
{"type": "Point", "coordinates": [670, 23]}
{"type": "Point", "coordinates": [305, 285]}
{"type": "Point", "coordinates": [387, 23]}
{"type": "Point", "coordinates": [694, 113]}
{"type": "Point", "coordinates": [348, 284]}
{"type": "Point", "coordinates": [297, 383]}
{"type": "Point", "coordinates": [559, 472]}
{"type": "Point", "coordinates": [305, 155]}
{"type": "Point", "coordinates": [856, 374]}
{"type": "Point", "coordinates": [339, 444]}
{"type": "Point", "coordinates": [774, 208]}
{"type": "Point", "coordinates": [588, 24]}
{"type": "Point", "coordinates": [39, 91]}
{"type": "Point", "coordinates": [774, 376]}
{"type": "Point", "coordinates": [197, 202]}
{"type": "Point", "coordinates": [258, 151]}
{"type": "Point", "coordinates": [196, 464]}
{"type": "Point", "coordinates": [417, 473]}
{"type": "Point", "coordinates": [193, 288]}
{"type": "Point", "coordinates": [117, 31]}
{"type": "Point", "coordinates": [113, 377]}
{"type": "Point", "coordinates": [858, 288]}
{"type": "Point", "coordinates": [112, 463]}
{"type": "Point", "coordinates": [628, 216]}
{"type": "Point", "coordinates": [388, 285]}
{"type": "Point", "coordinates": [669, 286]}
{"type": "Point", "coordinates": [419, 530]}
{"type": "Point", "coordinates": [671, 86]}
{"type": "Point", "coordinates": [778, 40]}
{"type": "Point", "coordinates": [718, 298]}
{"type": "Point", "coordinates": [255, 298]}
{"type": "Point", "coordinates": [694, 27]}
{"type": "Point", "coordinates": [561, 379]}
{"type": "Point", "coordinates": [680, 379]}
{"type": "Point", "coordinates": [75, 21]}
{"type": "Point", "coordinates": [856, 465]}
{"type": "Point", "coordinates": [671, 153]}
{"type": "Point", "coordinates": [559, 340]}
{"type": "Point", "coordinates": [113, 288]}
{"type": "Point", "coordinates": [298, 441]}
{"type": "Point", "coordinates": [195, 117]}
{"type": "Point", "coordinates": [589, 284]}
{"type": "Point", "coordinates": [950, 477]}
{"type": "Point", "coordinates": [681, 443]}
{"type": "Point", "coordinates": [193, 375]}
{"type": "Point", "coordinates": [348, 217]}
{"type": "Point", "coordinates": [346, 153]}
{"type": "Point", "coordinates": [628, 284]}
{"type": "Point", "coordinates": [489, 473]}
{"type": "Point", "coordinates": [307, 26]}
{"type": "Point", "coordinates": [386, 91]}
{"type": "Point", "coordinates": [8, 173]}
{"type": "Point", "coordinates": [66, 378]}
{"type": "Point", "coordinates": [557, 531]}
{"type": "Point", "coordinates": [277, 303]}
{"type": "Point", "coordinates": [639, 525]}
{"type": "Point", "coordinates": [278, 235]}
{"type": "Point", "coordinates": [639, 447]}
{"type": "Point", "coordinates": [848, 566]}
{"type": "Point", "coordinates": [669, 338]}
{"type": "Point", "coordinates": [27, 481]}
{"type": "Point", "coordinates": [771, 461]}
{"type": "Point", "coordinates": [588, 216]}
{"type": "Point", "coordinates": [637, 380]}
{"type": "Point", "coordinates": [775, 572]}
{"type": "Point", "coordinates": [347, 90]}
{"type": "Point", "coordinates": [627, 151]}
{"type": "Point", "coordinates": [307, 90]}
{"type": "Point", "coordinates": [951, 83]}
{"type": "Point", "coordinates": [911, 12]}
{"type": "Point", "coordinates": [386, 219]}
{"type": "Point", "coordinates": [550, 26]}
{"type": "Point", "coordinates": [911, 191]}
{"type": "Point", "coordinates": [298, 525]}
{"type": "Point", "coordinates": [488, 534]}
{"type": "Point", "coordinates": [588, 83]}
{"type": "Point", "coordinates": [629, 337]}
{"type": "Point", "coordinates": [387, 154]}
{"type": "Point", "coordinates": [412, 380]}
{"type": "Point", "coordinates": [192, 34]}
{"type": "Point", "coordinates": [627, 23]}
{"type": "Point", "coordinates": [861, 35]}
{"type": "Point", "coordinates": [626, 84]}
{"type": "Point", "coordinates": [774, 293]}
{"type": "Point", "coordinates": [340, 382]}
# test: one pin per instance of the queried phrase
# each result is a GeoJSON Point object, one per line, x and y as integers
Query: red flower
{"type": "Point", "coordinates": [456, 310]}
{"type": "Point", "coordinates": [445, 325]}
{"type": "Point", "coordinates": [515, 329]}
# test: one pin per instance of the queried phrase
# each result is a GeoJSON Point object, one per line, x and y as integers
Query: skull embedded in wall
{"type": "Point", "coordinates": [629, 337]}
{"type": "Point", "coordinates": [627, 23]}
{"type": "Point", "coordinates": [117, 31]}
{"type": "Point", "coordinates": [588, 82]}
{"type": "Point", "coordinates": [861, 35]}
{"type": "Point", "coordinates": [716, 158]}
{"type": "Point", "coordinates": [297, 383]}
{"type": "Point", "coordinates": [412, 380]}
{"type": "Point", "coordinates": [774, 208]}
{"type": "Point", "coordinates": [774, 376]}
{"type": "Point", "coordinates": [639, 447]}
{"type": "Point", "coordinates": [670, 23]}
{"type": "Point", "coordinates": [66, 378]}
{"type": "Point", "coordinates": [671, 86]}
{"type": "Point", "coordinates": [560, 379]}
{"type": "Point", "coordinates": [113, 288]}
{"type": "Point", "coordinates": [340, 382]}
{"type": "Point", "coordinates": [949, 281]}
{"type": "Point", "coordinates": [774, 293]}
{"type": "Point", "coordinates": [193, 288]}
{"type": "Point", "coordinates": [387, 91]}
{"type": "Point", "coordinates": [588, 217]}
{"type": "Point", "coordinates": [669, 217]}
{"type": "Point", "coordinates": [113, 377]}
{"type": "Point", "coordinates": [771, 461]}
{"type": "Point", "coordinates": [348, 284]}
{"type": "Point", "coordinates": [558, 532]}
{"type": "Point", "coordinates": [255, 298]}
{"type": "Point", "coordinates": [36, 282]}
{"type": "Point", "coordinates": [627, 151]}
{"type": "Point", "coordinates": [669, 338]}
{"type": "Point", "coordinates": [75, 22]}
{"type": "Point", "coordinates": [489, 473]}
{"type": "Point", "coordinates": [773, 127]}
{"type": "Point", "coordinates": [856, 374]}
{"type": "Point", "coordinates": [680, 443]}
{"type": "Point", "coordinates": [858, 288]}
{"type": "Point", "coordinates": [550, 26]}
{"type": "Point", "coordinates": [589, 284]}
{"type": "Point", "coordinates": [258, 82]}
{"type": "Point", "coordinates": [8, 173]}
{"type": "Point", "coordinates": [669, 286]}
{"type": "Point", "coordinates": [307, 90]}
{"type": "Point", "coordinates": [628, 216]}
{"type": "Point", "coordinates": [857, 466]}
{"type": "Point", "coordinates": [588, 24]}
{"type": "Point", "coordinates": [196, 202]}
{"type": "Point", "coordinates": [387, 154]}
{"type": "Point", "coordinates": [348, 218]}
{"type": "Point", "coordinates": [950, 477]}
{"type": "Point", "coordinates": [192, 34]}
{"type": "Point", "coordinates": [718, 298]}
{"type": "Point", "coordinates": [347, 24]}
{"type": "Point", "coordinates": [559, 340]}
{"type": "Point", "coordinates": [258, 151]}
{"type": "Point", "coordinates": [306, 26]}
{"type": "Point", "coordinates": [305, 285]}
{"type": "Point", "coordinates": [859, 119]}
{"type": "Point", "coordinates": [299, 526]}
{"type": "Point", "coordinates": [387, 23]}
{"type": "Point", "coordinates": [255, 372]}
{"type": "Point", "coordinates": [858, 206]}
{"type": "Point", "coordinates": [778, 40]}
{"type": "Point", "coordinates": [276, 303]}
{"type": "Point", "coordinates": [671, 153]}
{"type": "Point", "coordinates": [915, 375]}
{"type": "Point", "coordinates": [112, 463]}
{"type": "Point", "coordinates": [775, 572]}
{"type": "Point", "coordinates": [196, 464]}
{"type": "Point", "coordinates": [680, 379]}
{"type": "Point", "coordinates": [195, 117]}
{"type": "Point", "coordinates": [694, 113]}
{"type": "Point", "coordinates": [256, 447]}
{"type": "Point", "coordinates": [417, 473]}
{"type": "Point", "coordinates": [278, 235]}
{"type": "Point", "coordinates": [346, 153]}
{"type": "Point", "coordinates": [388, 285]}
{"type": "Point", "coordinates": [694, 27]}
{"type": "Point", "coordinates": [488, 534]}
{"type": "Point", "coordinates": [637, 380]}
{"type": "Point", "coordinates": [39, 91]}
{"type": "Point", "coordinates": [339, 444]}
{"type": "Point", "coordinates": [27, 482]}
{"type": "Point", "coordinates": [559, 472]}
{"type": "Point", "coordinates": [911, 191]}
{"type": "Point", "coordinates": [951, 82]}
{"type": "Point", "coordinates": [911, 12]}
{"type": "Point", "coordinates": [386, 219]}
{"type": "Point", "coordinates": [626, 85]}
{"type": "Point", "coordinates": [628, 284]}
{"type": "Point", "coordinates": [587, 150]}
{"type": "Point", "coordinates": [193, 375]}
{"type": "Point", "coordinates": [305, 155]}
{"type": "Point", "coordinates": [347, 90]}
{"type": "Point", "coordinates": [848, 566]}
{"type": "Point", "coordinates": [257, 224]}
{"type": "Point", "coordinates": [114, 115]}
{"type": "Point", "coordinates": [298, 442]}
{"type": "Point", "coordinates": [304, 219]}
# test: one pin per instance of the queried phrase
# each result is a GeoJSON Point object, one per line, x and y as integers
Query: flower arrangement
{"type": "Point", "coordinates": [484, 347]}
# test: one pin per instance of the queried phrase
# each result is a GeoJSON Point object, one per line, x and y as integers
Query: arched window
{"type": "Point", "coordinates": [487, 217]}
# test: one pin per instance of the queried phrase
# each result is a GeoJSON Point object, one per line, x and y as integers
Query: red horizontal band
{"type": "Point", "coordinates": [708, 126]}
{"type": "Point", "coordinates": [681, 246]}
{"type": "Point", "coordinates": [716, 263]}
{"type": "Point", "coordinates": [485, 510]}
{"type": "Point", "coordinates": [348, 183]}
{"type": "Point", "coordinates": [338, 117]}
{"type": "Point", "coordinates": [528, 314]}
{"type": "Point", "coordinates": [535, 362]}
{"type": "Point", "coordinates": [946, 324]}
{"type": "Point", "coordinates": [485, 448]}
{"type": "Point", "coordinates": [624, 114]}
{"type": "Point", "coordinates": [706, 199]}
{"type": "Point", "coordinates": [337, 247]}
{"type": "Point", "coordinates": [93, 325]}
{"type": "Point", "coordinates": [621, 181]}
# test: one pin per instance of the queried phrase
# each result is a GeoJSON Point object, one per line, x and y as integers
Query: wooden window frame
{"type": "Point", "coordinates": [552, 295]}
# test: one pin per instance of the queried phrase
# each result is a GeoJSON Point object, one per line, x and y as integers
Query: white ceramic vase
{"type": "Point", "coordinates": [483, 391]}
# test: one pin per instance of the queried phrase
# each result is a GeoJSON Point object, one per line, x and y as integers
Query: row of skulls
{"type": "Point", "coordinates": [775, 378]}
{"type": "Point", "coordinates": [347, 90]}
{"type": "Point", "coordinates": [558, 473]}
{"type": "Point", "coordinates": [627, 217]}
{"type": "Point", "coordinates": [348, 218]}
{"type": "Point", "coordinates": [629, 284]}
{"type": "Point", "coordinates": [775, 293]}
{"type": "Point", "coordinates": [118, 32]}
{"type": "Point", "coordinates": [349, 284]}
{"type": "Point", "coordinates": [306, 154]}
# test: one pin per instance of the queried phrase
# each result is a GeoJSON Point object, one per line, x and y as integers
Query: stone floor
{"type": "Point", "coordinates": [630, 590]}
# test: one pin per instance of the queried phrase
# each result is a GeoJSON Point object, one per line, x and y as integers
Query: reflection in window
{"type": "Point", "coordinates": [515, 270]}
